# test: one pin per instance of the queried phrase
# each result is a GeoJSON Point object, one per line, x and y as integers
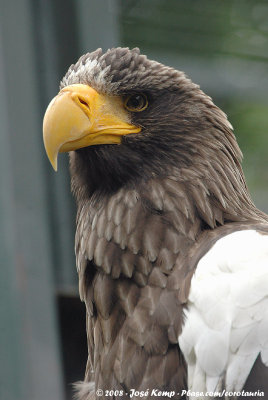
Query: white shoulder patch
{"type": "Point", "coordinates": [226, 324]}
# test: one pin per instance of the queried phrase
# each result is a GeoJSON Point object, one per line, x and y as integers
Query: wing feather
{"type": "Point", "coordinates": [226, 324]}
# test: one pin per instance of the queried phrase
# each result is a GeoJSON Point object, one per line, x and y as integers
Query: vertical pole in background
{"type": "Point", "coordinates": [30, 362]}
{"type": "Point", "coordinates": [11, 347]}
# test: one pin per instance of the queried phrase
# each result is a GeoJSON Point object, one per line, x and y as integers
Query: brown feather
{"type": "Point", "coordinates": [104, 294]}
{"type": "Point", "coordinates": [99, 251]}
{"type": "Point", "coordinates": [143, 265]}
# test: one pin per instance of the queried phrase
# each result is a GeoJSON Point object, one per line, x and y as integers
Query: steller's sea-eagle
{"type": "Point", "coordinates": [172, 254]}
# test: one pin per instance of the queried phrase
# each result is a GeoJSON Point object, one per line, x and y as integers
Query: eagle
{"type": "Point", "coordinates": [172, 254]}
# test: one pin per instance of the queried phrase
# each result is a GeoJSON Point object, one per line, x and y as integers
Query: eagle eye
{"type": "Point", "coordinates": [136, 102]}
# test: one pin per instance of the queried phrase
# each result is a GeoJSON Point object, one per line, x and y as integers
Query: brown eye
{"type": "Point", "coordinates": [136, 102]}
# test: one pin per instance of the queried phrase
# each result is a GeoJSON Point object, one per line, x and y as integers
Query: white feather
{"type": "Point", "coordinates": [212, 383]}
{"type": "Point", "coordinates": [227, 317]}
{"type": "Point", "coordinates": [264, 356]}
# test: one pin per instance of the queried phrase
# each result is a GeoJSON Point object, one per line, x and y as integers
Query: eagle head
{"type": "Point", "coordinates": [124, 117]}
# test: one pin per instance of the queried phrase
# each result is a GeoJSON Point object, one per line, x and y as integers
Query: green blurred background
{"type": "Point", "coordinates": [221, 45]}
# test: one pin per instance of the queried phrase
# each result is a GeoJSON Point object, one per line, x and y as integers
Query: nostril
{"type": "Point", "coordinates": [82, 101]}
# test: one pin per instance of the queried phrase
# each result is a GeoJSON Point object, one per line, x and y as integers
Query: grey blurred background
{"type": "Point", "coordinates": [222, 45]}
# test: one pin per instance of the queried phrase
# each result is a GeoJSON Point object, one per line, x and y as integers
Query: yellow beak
{"type": "Point", "coordinates": [79, 117]}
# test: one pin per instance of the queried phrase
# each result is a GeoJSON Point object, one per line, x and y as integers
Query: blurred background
{"type": "Point", "coordinates": [222, 45]}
